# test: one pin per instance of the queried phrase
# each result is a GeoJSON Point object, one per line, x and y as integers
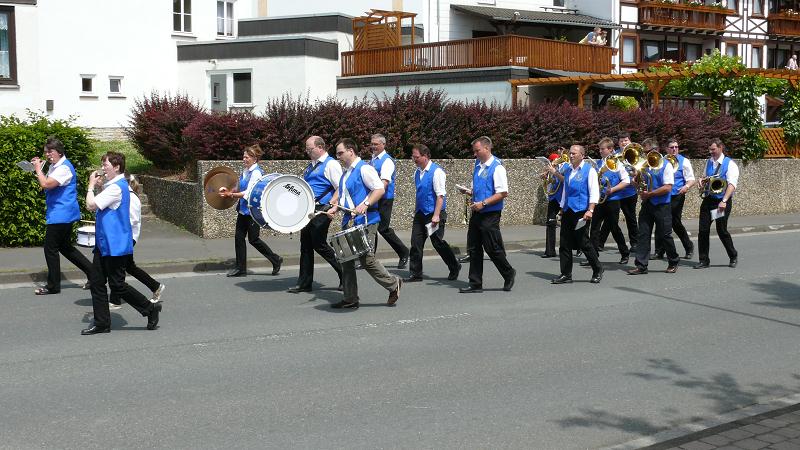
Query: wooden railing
{"type": "Point", "coordinates": [784, 24]}
{"type": "Point", "coordinates": [510, 50]}
{"type": "Point", "coordinates": [777, 146]}
{"type": "Point", "coordinates": [683, 16]}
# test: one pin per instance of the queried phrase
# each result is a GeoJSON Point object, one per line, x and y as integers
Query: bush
{"type": "Point", "coordinates": [22, 207]}
{"type": "Point", "coordinates": [211, 136]}
{"type": "Point", "coordinates": [623, 103]}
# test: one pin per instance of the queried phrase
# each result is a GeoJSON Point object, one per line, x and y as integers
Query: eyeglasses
{"type": "Point", "coordinates": [673, 146]}
{"type": "Point", "coordinates": [341, 153]}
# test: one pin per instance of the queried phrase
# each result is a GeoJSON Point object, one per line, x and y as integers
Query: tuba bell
{"type": "Point", "coordinates": [672, 160]}
{"type": "Point", "coordinates": [609, 164]}
{"type": "Point", "coordinates": [712, 185]}
{"type": "Point", "coordinates": [551, 182]}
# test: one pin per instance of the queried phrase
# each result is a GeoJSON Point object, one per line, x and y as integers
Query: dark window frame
{"type": "Point", "coordinates": [761, 62]}
{"type": "Point", "coordinates": [659, 44]}
{"type": "Point", "coordinates": [183, 16]}
{"type": "Point", "coordinates": [237, 98]}
{"type": "Point", "coordinates": [763, 12]}
{"type": "Point", "coordinates": [12, 47]}
{"type": "Point", "coordinates": [636, 50]}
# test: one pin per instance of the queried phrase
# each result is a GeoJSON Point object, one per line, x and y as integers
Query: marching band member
{"type": "Point", "coordinates": [489, 189]}
{"type": "Point", "coordinates": [60, 187]}
{"type": "Point", "coordinates": [384, 164]}
{"type": "Point", "coordinates": [684, 180]}
{"type": "Point", "coordinates": [360, 188]}
{"type": "Point", "coordinates": [431, 205]}
{"type": "Point", "coordinates": [322, 174]}
{"type": "Point", "coordinates": [553, 208]}
{"type": "Point", "coordinates": [655, 211]}
{"type": "Point", "coordinates": [113, 247]}
{"type": "Point", "coordinates": [721, 166]}
{"type": "Point", "coordinates": [627, 202]}
{"type": "Point", "coordinates": [578, 200]}
{"type": "Point", "coordinates": [606, 214]}
{"type": "Point", "coordinates": [245, 225]}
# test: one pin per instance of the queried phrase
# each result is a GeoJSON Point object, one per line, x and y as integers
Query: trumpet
{"type": "Point", "coordinates": [713, 185]}
{"type": "Point", "coordinates": [551, 182]}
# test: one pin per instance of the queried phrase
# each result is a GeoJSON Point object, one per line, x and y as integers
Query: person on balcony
{"type": "Point", "coordinates": [792, 65]}
{"type": "Point", "coordinates": [596, 37]}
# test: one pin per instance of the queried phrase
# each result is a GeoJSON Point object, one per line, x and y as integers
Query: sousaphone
{"type": "Point", "coordinates": [216, 179]}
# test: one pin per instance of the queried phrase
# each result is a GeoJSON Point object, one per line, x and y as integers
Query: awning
{"type": "Point", "coordinates": [540, 17]}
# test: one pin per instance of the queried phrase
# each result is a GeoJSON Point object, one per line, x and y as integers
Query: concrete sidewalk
{"type": "Point", "coordinates": [165, 248]}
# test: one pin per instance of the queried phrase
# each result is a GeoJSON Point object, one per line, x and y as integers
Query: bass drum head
{"type": "Point", "coordinates": [286, 203]}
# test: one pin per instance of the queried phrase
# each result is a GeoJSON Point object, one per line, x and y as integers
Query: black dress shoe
{"type": "Point", "coordinates": [733, 263]}
{"type": "Point", "coordinates": [638, 271]}
{"type": "Point", "coordinates": [563, 279]}
{"type": "Point", "coordinates": [470, 290]}
{"type": "Point", "coordinates": [578, 252]}
{"type": "Point", "coordinates": [624, 259]}
{"type": "Point", "coordinates": [237, 273]}
{"type": "Point", "coordinates": [453, 275]}
{"type": "Point", "coordinates": [509, 283]}
{"type": "Point", "coordinates": [464, 259]}
{"type": "Point", "coordinates": [298, 289]}
{"type": "Point", "coordinates": [45, 291]}
{"type": "Point", "coordinates": [672, 269]}
{"type": "Point", "coordinates": [689, 253]}
{"type": "Point", "coordinates": [412, 279]}
{"type": "Point", "coordinates": [403, 262]}
{"type": "Point", "coordinates": [152, 318]}
{"type": "Point", "coordinates": [549, 255]}
{"type": "Point", "coordinates": [584, 264]}
{"type": "Point", "coordinates": [94, 329]}
{"type": "Point", "coordinates": [344, 304]}
{"type": "Point", "coordinates": [597, 276]}
{"type": "Point", "coordinates": [657, 256]}
{"type": "Point", "coordinates": [276, 268]}
{"type": "Point", "coordinates": [359, 266]}
{"type": "Point", "coordinates": [395, 294]}
{"type": "Point", "coordinates": [701, 265]}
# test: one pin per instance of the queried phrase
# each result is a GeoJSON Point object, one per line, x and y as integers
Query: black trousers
{"type": "Point", "coordinates": [246, 226]}
{"type": "Point", "coordinates": [419, 234]}
{"type": "Point", "coordinates": [58, 239]}
{"type": "Point", "coordinates": [709, 204]}
{"type": "Point", "coordinates": [628, 207]}
{"type": "Point", "coordinates": [314, 238]}
{"type": "Point", "coordinates": [606, 218]}
{"type": "Point", "coordinates": [483, 234]}
{"type": "Point", "coordinates": [553, 208]}
{"type": "Point", "coordinates": [572, 239]}
{"type": "Point", "coordinates": [660, 217]}
{"type": "Point", "coordinates": [676, 207]}
{"type": "Point", "coordinates": [111, 270]}
{"type": "Point", "coordinates": [136, 272]}
{"type": "Point", "coordinates": [385, 210]}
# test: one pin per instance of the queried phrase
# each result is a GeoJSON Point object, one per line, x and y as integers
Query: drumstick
{"type": "Point", "coordinates": [315, 214]}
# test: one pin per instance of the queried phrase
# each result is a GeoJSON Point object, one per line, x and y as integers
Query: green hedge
{"type": "Point", "coordinates": [22, 205]}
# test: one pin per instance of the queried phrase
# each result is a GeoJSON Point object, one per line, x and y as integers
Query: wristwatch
{"type": "Point", "coordinates": [483, 202]}
{"type": "Point", "coordinates": [366, 202]}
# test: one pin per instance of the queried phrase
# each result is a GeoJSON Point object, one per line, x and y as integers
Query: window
{"type": "Point", "coordinates": [777, 58]}
{"type": "Point", "coordinates": [755, 55]}
{"type": "Point", "coordinates": [671, 51]}
{"type": "Point", "coordinates": [8, 56]}
{"type": "Point", "coordinates": [224, 18]}
{"type": "Point", "coordinates": [731, 49]}
{"type": "Point", "coordinates": [628, 50]}
{"type": "Point", "coordinates": [693, 52]}
{"type": "Point", "coordinates": [182, 16]}
{"type": "Point", "coordinates": [758, 8]}
{"type": "Point", "coordinates": [651, 51]}
{"type": "Point", "coordinates": [242, 90]}
{"type": "Point", "coordinates": [115, 85]}
{"type": "Point", "coordinates": [87, 84]}
{"type": "Point", "coordinates": [731, 4]}
{"type": "Point", "coordinates": [558, 3]}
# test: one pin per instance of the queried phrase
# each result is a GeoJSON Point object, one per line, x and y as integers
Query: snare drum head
{"type": "Point", "coordinates": [286, 203]}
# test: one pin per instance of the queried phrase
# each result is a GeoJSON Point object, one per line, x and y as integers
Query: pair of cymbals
{"type": "Point", "coordinates": [216, 179]}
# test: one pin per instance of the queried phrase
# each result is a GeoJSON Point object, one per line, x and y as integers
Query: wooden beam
{"type": "Point", "coordinates": [583, 86]}
{"type": "Point", "coordinates": [514, 95]}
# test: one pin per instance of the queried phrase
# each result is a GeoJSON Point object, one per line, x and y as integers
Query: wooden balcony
{"type": "Point", "coordinates": [784, 24]}
{"type": "Point", "coordinates": [496, 51]}
{"type": "Point", "coordinates": [698, 18]}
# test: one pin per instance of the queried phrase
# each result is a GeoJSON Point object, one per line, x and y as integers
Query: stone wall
{"type": "Point", "coordinates": [108, 134]}
{"type": "Point", "coordinates": [765, 187]}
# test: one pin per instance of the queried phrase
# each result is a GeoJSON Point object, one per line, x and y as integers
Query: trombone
{"type": "Point", "coordinates": [551, 182]}
{"type": "Point", "coordinates": [713, 185]}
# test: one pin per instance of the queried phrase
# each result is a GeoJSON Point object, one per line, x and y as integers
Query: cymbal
{"type": "Point", "coordinates": [217, 178]}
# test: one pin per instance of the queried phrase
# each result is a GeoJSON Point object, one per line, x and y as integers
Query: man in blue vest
{"type": "Point", "coordinates": [322, 174]}
{"type": "Point", "coordinates": [489, 190]}
{"type": "Point", "coordinates": [553, 206]}
{"type": "Point", "coordinates": [359, 190]}
{"type": "Point", "coordinates": [578, 199]}
{"type": "Point", "coordinates": [430, 214]}
{"type": "Point", "coordinates": [385, 166]}
{"type": "Point", "coordinates": [627, 202]}
{"type": "Point", "coordinates": [721, 166]}
{"type": "Point", "coordinates": [655, 211]}
{"type": "Point", "coordinates": [606, 214]}
{"type": "Point", "coordinates": [113, 247]}
{"type": "Point", "coordinates": [684, 180]}
{"type": "Point", "coordinates": [60, 187]}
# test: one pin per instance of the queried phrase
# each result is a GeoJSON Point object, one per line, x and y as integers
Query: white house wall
{"type": "Point", "coordinates": [14, 100]}
{"type": "Point", "coordinates": [498, 92]}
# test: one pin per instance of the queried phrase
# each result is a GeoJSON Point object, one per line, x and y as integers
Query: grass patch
{"type": "Point", "coordinates": [134, 162]}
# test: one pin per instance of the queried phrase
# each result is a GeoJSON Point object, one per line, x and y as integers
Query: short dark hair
{"type": "Point", "coordinates": [422, 149]}
{"type": "Point", "coordinates": [348, 144]}
{"type": "Point", "coordinates": [623, 135]}
{"type": "Point", "coordinates": [717, 141]}
{"type": "Point", "coordinates": [650, 144]}
{"type": "Point", "coordinates": [53, 143]}
{"type": "Point", "coordinates": [254, 151]}
{"type": "Point", "coordinates": [116, 159]}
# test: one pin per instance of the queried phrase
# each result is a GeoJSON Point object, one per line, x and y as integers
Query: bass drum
{"type": "Point", "coordinates": [281, 202]}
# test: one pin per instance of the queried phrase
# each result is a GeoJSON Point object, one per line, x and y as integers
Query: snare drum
{"type": "Point", "coordinates": [351, 243]}
{"type": "Point", "coordinates": [86, 236]}
{"type": "Point", "coordinates": [281, 202]}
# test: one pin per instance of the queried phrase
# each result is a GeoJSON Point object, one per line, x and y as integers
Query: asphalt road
{"type": "Point", "coordinates": [239, 363]}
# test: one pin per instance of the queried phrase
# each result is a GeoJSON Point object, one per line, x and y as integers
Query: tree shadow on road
{"type": "Point", "coordinates": [781, 293]}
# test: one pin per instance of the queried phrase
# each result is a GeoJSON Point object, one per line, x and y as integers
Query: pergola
{"type": "Point", "coordinates": [655, 81]}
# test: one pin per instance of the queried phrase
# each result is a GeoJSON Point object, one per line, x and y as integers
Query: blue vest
{"type": "Point", "coordinates": [426, 196]}
{"type": "Point", "coordinates": [680, 181]}
{"type": "Point", "coordinates": [62, 201]}
{"type": "Point", "coordinates": [244, 180]}
{"type": "Point", "coordinates": [557, 195]}
{"type": "Point", "coordinates": [377, 164]}
{"type": "Point", "coordinates": [577, 189]}
{"type": "Point", "coordinates": [631, 190]}
{"type": "Point", "coordinates": [657, 182]}
{"type": "Point", "coordinates": [358, 193]}
{"type": "Point", "coordinates": [483, 185]}
{"type": "Point", "coordinates": [723, 173]}
{"type": "Point", "coordinates": [113, 236]}
{"type": "Point", "coordinates": [315, 176]}
{"type": "Point", "coordinates": [615, 179]}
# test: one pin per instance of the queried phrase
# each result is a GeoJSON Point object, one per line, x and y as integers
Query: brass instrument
{"type": "Point", "coordinates": [672, 160]}
{"type": "Point", "coordinates": [609, 164]}
{"type": "Point", "coordinates": [712, 185]}
{"type": "Point", "coordinates": [551, 182]}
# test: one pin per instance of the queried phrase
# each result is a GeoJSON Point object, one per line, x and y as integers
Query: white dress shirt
{"type": "Point", "coordinates": [252, 182]}
{"type": "Point", "coordinates": [333, 172]}
{"type": "Point", "coordinates": [669, 173]}
{"type": "Point", "coordinates": [60, 172]}
{"type": "Point", "coordinates": [111, 195]}
{"type": "Point", "coordinates": [439, 179]}
{"type": "Point", "coordinates": [594, 185]}
{"type": "Point", "coordinates": [500, 175]}
{"type": "Point", "coordinates": [688, 170]}
{"type": "Point", "coordinates": [136, 215]}
{"type": "Point", "coordinates": [387, 169]}
{"type": "Point", "coordinates": [369, 176]}
{"type": "Point", "coordinates": [733, 170]}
